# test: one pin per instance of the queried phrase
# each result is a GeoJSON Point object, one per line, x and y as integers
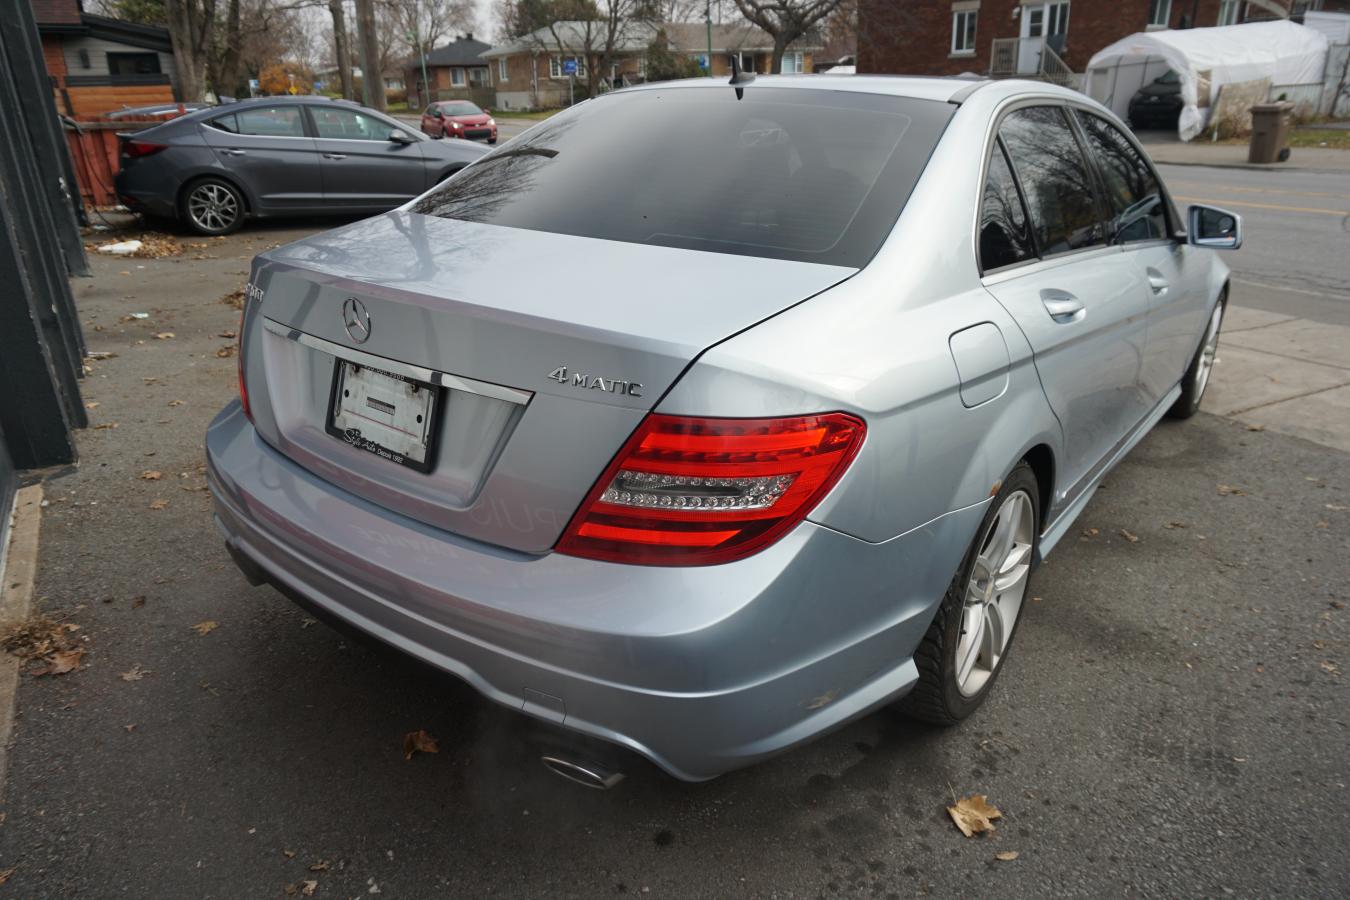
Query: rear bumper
{"type": "Point", "coordinates": [701, 670]}
{"type": "Point", "coordinates": [145, 195]}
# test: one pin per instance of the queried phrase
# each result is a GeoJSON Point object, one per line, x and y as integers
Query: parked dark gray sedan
{"type": "Point", "coordinates": [278, 156]}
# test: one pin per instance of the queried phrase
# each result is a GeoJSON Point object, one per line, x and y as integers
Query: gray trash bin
{"type": "Point", "coordinates": [1271, 123]}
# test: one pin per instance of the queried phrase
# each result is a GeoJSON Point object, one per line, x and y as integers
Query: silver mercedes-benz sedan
{"type": "Point", "coordinates": [703, 418]}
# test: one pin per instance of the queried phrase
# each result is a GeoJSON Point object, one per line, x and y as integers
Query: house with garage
{"type": "Point", "coordinates": [1048, 39]}
{"type": "Point", "coordinates": [456, 71]}
{"type": "Point", "coordinates": [99, 65]}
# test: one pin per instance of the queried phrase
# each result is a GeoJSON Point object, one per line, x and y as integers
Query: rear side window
{"type": "Point", "coordinates": [273, 121]}
{"type": "Point", "coordinates": [348, 125]}
{"type": "Point", "coordinates": [1133, 194]}
{"type": "Point", "coordinates": [1005, 234]}
{"type": "Point", "coordinates": [1055, 178]}
{"type": "Point", "coordinates": [225, 123]}
{"type": "Point", "coordinates": [807, 175]}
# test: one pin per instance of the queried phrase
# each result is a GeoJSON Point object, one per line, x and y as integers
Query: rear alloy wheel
{"type": "Point", "coordinates": [1196, 379]}
{"type": "Point", "coordinates": [963, 651]}
{"type": "Point", "coordinates": [213, 207]}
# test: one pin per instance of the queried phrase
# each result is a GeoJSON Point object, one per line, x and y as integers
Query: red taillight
{"type": "Point", "coordinates": [694, 492]}
{"type": "Point", "coordinates": [137, 149]}
{"type": "Point", "coordinates": [239, 356]}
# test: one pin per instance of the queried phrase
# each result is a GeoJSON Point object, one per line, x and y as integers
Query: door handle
{"type": "Point", "coordinates": [233, 152]}
{"type": "Point", "coordinates": [1062, 306]}
{"type": "Point", "coordinates": [1156, 282]}
{"type": "Point", "coordinates": [335, 156]}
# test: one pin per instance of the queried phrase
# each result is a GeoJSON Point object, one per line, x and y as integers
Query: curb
{"type": "Point", "coordinates": [19, 574]}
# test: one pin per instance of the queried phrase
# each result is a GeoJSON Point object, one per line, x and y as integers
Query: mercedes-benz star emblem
{"type": "Point", "coordinates": [356, 320]}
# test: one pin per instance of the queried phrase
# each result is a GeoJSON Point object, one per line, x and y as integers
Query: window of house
{"type": "Point", "coordinates": [1133, 194]}
{"type": "Point", "coordinates": [1056, 18]}
{"type": "Point", "coordinates": [457, 77]}
{"type": "Point", "coordinates": [1159, 13]}
{"type": "Point", "coordinates": [501, 69]}
{"type": "Point", "coordinates": [793, 63]}
{"type": "Point", "coordinates": [1228, 12]}
{"type": "Point", "coordinates": [555, 66]}
{"type": "Point", "coordinates": [478, 76]}
{"type": "Point", "coordinates": [348, 124]}
{"type": "Point", "coordinates": [1055, 178]}
{"type": "Point", "coordinates": [133, 64]}
{"type": "Point", "coordinates": [963, 31]}
{"type": "Point", "coordinates": [1005, 235]}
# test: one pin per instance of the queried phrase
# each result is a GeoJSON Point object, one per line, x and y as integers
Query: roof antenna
{"type": "Point", "coordinates": [737, 76]}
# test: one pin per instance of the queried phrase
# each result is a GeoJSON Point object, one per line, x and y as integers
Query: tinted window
{"type": "Point", "coordinates": [347, 124]}
{"type": "Point", "coordinates": [1005, 236]}
{"type": "Point", "coordinates": [1055, 178]}
{"type": "Point", "coordinates": [270, 121]}
{"type": "Point", "coordinates": [461, 108]}
{"type": "Point", "coordinates": [1133, 195]}
{"type": "Point", "coordinates": [225, 123]}
{"type": "Point", "coordinates": [133, 64]}
{"type": "Point", "coordinates": [790, 174]}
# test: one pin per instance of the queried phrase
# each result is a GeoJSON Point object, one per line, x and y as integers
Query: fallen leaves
{"type": "Point", "coordinates": [1226, 490]}
{"type": "Point", "coordinates": [1006, 855]}
{"type": "Point", "coordinates": [418, 742]}
{"type": "Point", "coordinates": [1175, 525]}
{"type": "Point", "coordinates": [135, 673]}
{"type": "Point", "coordinates": [227, 333]}
{"type": "Point", "coordinates": [302, 889]}
{"type": "Point", "coordinates": [226, 351]}
{"type": "Point", "coordinates": [164, 335]}
{"type": "Point", "coordinates": [234, 298]}
{"type": "Point", "coordinates": [1129, 536]}
{"type": "Point", "coordinates": [205, 628]}
{"type": "Point", "coordinates": [103, 426]}
{"type": "Point", "coordinates": [7, 873]}
{"type": "Point", "coordinates": [974, 814]}
{"type": "Point", "coordinates": [159, 504]}
{"type": "Point", "coordinates": [151, 475]}
{"type": "Point", "coordinates": [61, 662]}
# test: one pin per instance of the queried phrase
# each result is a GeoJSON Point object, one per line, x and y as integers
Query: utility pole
{"type": "Point", "coordinates": [422, 52]}
{"type": "Point", "coordinates": [707, 17]}
{"type": "Point", "coordinates": [372, 80]}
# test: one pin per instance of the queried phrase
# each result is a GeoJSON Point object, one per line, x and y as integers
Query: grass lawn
{"type": "Point", "coordinates": [537, 115]}
{"type": "Point", "coordinates": [1320, 137]}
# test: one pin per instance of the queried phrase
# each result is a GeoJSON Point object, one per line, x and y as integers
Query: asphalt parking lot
{"type": "Point", "coordinates": [1173, 721]}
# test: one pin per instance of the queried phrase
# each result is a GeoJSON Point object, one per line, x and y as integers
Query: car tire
{"type": "Point", "coordinates": [956, 659]}
{"type": "Point", "coordinates": [492, 140]}
{"type": "Point", "coordinates": [1196, 379]}
{"type": "Point", "coordinates": [212, 206]}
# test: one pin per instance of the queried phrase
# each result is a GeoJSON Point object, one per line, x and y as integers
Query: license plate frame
{"type": "Point", "coordinates": [337, 417]}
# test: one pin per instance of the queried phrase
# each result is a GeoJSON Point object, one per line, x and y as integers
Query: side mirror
{"type": "Point", "coordinates": [1218, 229]}
{"type": "Point", "coordinates": [399, 137]}
{"type": "Point", "coordinates": [437, 114]}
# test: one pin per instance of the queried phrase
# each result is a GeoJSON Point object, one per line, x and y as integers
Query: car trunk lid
{"type": "Point", "coordinates": [550, 349]}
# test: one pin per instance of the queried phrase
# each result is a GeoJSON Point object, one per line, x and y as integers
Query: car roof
{"type": "Point", "coordinates": [943, 89]}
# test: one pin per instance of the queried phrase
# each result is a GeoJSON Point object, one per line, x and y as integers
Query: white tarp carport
{"type": "Point", "coordinates": [1283, 51]}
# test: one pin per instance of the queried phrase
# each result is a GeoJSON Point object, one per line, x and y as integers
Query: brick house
{"type": "Point", "coordinates": [457, 71]}
{"type": "Point", "coordinates": [531, 72]}
{"type": "Point", "coordinates": [1012, 37]}
{"type": "Point", "coordinates": [98, 65]}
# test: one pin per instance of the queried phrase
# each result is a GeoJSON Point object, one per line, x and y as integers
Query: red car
{"type": "Point", "coordinates": [458, 119]}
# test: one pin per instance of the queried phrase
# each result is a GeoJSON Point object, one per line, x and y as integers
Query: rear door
{"type": "Point", "coordinates": [1171, 273]}
{"type": "Point", "coordinates": [269, 150]}
{"type": "Point", "coordinates": [364, 171]}
{"type": "Point", "coordinates": [1078, 300]}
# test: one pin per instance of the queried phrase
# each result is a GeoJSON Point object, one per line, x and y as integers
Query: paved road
{"type": "Point", "coordinates": [1173, 721]}
{"type": "Point", "coordinates": [1297, 227]}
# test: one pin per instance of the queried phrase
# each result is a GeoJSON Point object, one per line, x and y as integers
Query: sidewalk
{"type": "Point", "coordinates": [1202, 152]}
{"type": "Point", "coordinates": [1283, 374]}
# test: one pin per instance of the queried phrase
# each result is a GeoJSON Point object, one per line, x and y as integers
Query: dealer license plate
{"type": "Point", "coordinates": [385, 414]}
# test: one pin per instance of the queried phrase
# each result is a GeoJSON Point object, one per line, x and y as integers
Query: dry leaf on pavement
{"type": "Point", "coordinates": [974, 814]}
{"type": "Point", "coordinates": [151, 475]}
{"type": "Point", "coordinates": [226, 351]}
{"type": "Point", "coordinates": [1226, 489]}
{"type": "Point", "coordinates": [418, 742]}
{"type": "Point", "coordinates": [61, 662]}
{"type": "Point", "coordinates": [1129, 536]}
{"type": "Point", "coordinates": [136, 673]}
{"type": "Point", "coordinates": [4, 876]}
{"type": "Point", "coordinates": [205, 628]}
{"type": "Point", "coordinates": [320, 866]}
{"type": "Point", "coordinates": [159, 504]}
{"type": "Point", "coordinates": [1006, 855]}
{"type": "Point", "coordinates": [307, 888]}
{"type": "Point", "coordinates": [164, 335]}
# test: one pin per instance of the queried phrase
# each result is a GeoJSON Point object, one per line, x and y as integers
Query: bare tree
{"type": "Point", "coordinates": [190, 24]}
{"type": "Point", "coordinates": [785, 20]}
{"type": "Point", "coordinates": [425, 23]}
{"type": "Point", "coordinates": [372, 75]}
{"type": "Point", "coordinates": [342, 49]}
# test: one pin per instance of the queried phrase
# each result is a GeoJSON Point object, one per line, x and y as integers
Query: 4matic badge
{"type": "Point", "coordinates": [596, 383]}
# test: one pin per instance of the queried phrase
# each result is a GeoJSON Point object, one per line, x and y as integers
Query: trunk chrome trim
{"type": "Point", "coordinates": [419, 373]}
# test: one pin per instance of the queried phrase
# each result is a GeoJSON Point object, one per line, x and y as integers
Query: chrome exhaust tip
{"type": "Point", "coordinates": [589, 774]}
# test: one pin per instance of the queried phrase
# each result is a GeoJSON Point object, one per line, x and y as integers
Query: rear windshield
{"type": "Point", "coordinates": [810, 175]}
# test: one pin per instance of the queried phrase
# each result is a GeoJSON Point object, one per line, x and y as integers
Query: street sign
{"type": "Point", "coordinates": [254, 84]}
{"type": "Point", "coordinates": [702, 60]}
{"type": "Point", "coordinates": [569, 67]}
